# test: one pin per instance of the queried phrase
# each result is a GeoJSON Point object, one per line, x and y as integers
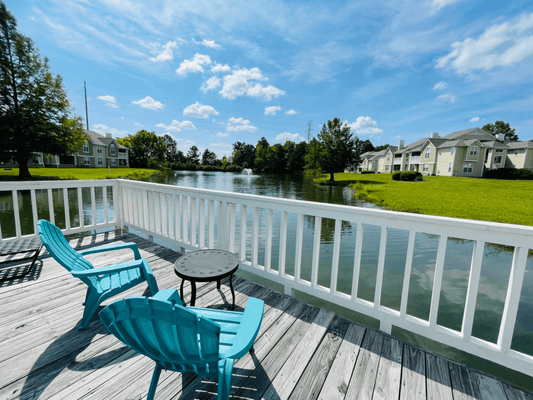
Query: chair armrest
{"type": "Point", "coordinates": [248, 330]}
{"type": "Point", "coordinates": [170, 295]}
{"type": "Point", "coordinates": [118, 246]}
{"type": "Point", "coordinates": [110, 269]}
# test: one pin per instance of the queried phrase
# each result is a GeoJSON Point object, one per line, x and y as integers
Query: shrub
{"type": "Point", "coordinates": [509, 173]}
{"type": "Point", "coordinates": [410, 176]}
{"type": "Point", "coordinates": [396, 176]}
{"type": "Point", "coordinates": [367, 172]}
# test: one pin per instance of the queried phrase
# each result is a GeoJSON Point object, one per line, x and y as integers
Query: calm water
{"type": "Point", "coordinates": [495, 267]}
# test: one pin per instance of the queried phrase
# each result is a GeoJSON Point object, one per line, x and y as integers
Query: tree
{"type": "Point", "coordinates": [35, 113]}
{"type": "Point", "coordinates": [312, 162]}
{"type": "Point", "coordinates": [146, 149]}
{"type": "Point", "coordinates": [193, 155]}
{"type": "Point", "coordinates": [243, 154]}
{"type": "Point", "coordinates": [209, 158]}
{"type": "Point", "coordinates": [501, 127]}
{"type": "Point", "coordinates": [364, 146]}
{"type": "Point", "coordinates": [261, 150]}
{"type": "Point", "coordinates": [382, 147]}
{"type": "Point", "coordinates": [295, 156]}
{"type": "Point", "coordinates": [337, 147]}
{"type": "Point", "coordinates": [172, 154]}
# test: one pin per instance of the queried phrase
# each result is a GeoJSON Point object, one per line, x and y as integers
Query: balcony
{"type": "Point", "coordinates": [415, 160]}
{"type": "Point", "coordinates": [44, 352]}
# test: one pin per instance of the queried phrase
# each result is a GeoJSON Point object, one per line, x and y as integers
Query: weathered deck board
{"type": "Point", "coordinates": [301, 352]}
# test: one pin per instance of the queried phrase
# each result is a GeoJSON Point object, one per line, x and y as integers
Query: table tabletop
{"type": "Point", "coordinates": [206, 264]}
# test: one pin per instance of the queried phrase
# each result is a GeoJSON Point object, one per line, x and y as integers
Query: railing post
{"type": "Point", "coordinates": [385, 326]}
{"type": "Point", "coordinates": [117, 206]}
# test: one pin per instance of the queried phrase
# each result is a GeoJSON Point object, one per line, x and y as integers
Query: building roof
{"type": "Point", "coordinates": [464, 143]}
{"type": "Point", "coordinates": [473, 133]}
{"type": "Point", "coordinates": [101, 140]}
{"type": "Point", "coordinates": [520, 145]}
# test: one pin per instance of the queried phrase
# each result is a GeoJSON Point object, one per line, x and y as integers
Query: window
{"type": "Point", "coordinates": [498, 151]}
{"type": "Point", "coordinates": [516, 152]}
{"type": "Point", "coordinates": [473, 151]}
{"type": "Point", "coordinates": [450, 167]}
{"type": "Point", "coordinates": [388, 156]}
{"type": "Point", "coordinates": [467, 167]}
{"type": "Point", "coordinates": [112, 147]}
{"type": "Point", "coordinates": [86, 161]}
{"type": "Point", "coordinates": [426, 167]}
{"type": "Point", "coordinates": [99, 149]}
{"type": "Point", "coordinates": [100, 161]}
{"type": "Point", "coordinates": [428, 152]}
{"type": "Point", "coordinates": [386, 167]}
{"type": "Point", "coordinates": [86, 147]}
{"type": "Point", "coordinates": [498, 159]}
{"type": "Point", "coordinates": [452, 151]}
{"type": "Point", "coordinates": [113, 162]}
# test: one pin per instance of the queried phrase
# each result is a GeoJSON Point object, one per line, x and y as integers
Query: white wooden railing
{"type": "Point", "coordinates": [198, 218]}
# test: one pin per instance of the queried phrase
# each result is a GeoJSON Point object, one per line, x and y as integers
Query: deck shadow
{"type": "Point", "coordinates": [8, 270]}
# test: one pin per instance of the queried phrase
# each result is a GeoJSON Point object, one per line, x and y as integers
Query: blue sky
{"type": "Point", "coordinates": [213, 72]}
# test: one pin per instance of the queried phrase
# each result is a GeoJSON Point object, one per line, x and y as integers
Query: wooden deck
{"type": "Point", "coordinates": [302, 352]}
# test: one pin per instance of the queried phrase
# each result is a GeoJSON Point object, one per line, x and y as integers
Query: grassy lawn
{"type": "Point", "coordinates": [470, 198]}
{"type": "Point", "coordinates": [78, 173]}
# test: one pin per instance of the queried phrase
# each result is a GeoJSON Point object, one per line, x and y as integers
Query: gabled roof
{"type": "Point", "coordinates": [520, 145]}
{"type": "Point", "coordinates": [463, 143]}
{"type": "Point", "coordinates": [473, 133]}
{"type": "Point", "coordinates": [94, 137]}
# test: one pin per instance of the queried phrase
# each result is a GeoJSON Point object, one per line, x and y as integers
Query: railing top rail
{"type": "Point", "coordinates": [56, 184]}
{"type": "Point", "coordinates": [494, 232]}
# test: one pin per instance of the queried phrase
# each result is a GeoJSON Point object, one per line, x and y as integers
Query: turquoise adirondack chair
{"type": "Point", "coordinates": [205, 341]}
{"type": "Point", "coordinates": [102, 282]}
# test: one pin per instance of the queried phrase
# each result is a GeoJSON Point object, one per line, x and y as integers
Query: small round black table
{"type": "Point", "coordinates": [206, 266]}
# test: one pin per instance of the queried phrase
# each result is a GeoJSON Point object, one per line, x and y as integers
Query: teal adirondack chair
{"type": "Point", "coordinates": [103, 282]}
{"type": "Point", "coordinates": [201, 340]}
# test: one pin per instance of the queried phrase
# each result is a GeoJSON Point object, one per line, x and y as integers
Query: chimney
{"type": "Point", "coordinates": [401, 144]}
{"type": "Point", "coordinates": [435, 135]}
{"type": "Point", "coordinates": [500, 137]}
{"type": "Point", "coordinates": [108, 135]}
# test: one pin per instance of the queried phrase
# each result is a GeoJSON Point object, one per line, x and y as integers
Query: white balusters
{"type": "Point", "coordinates": [211, 224]}
{"type": "Point", "coordinates": [268, 244]}
{"type": "Point", "coordinates": [201, 223]}
{"type": "Point", "coordinates": [437, 281]}
{"type": "Point", "coordinates": [336, 254]}
{"type": "Point", "coordinates": [67, 210]}
{"type": "Point", "coordinates": [381, 266]}
{"type": "Point", "coordinates": [193, 221]}
{"type": "Point", "coordinates": [16, 213]}
{"type": "Point", "coordinates": [407, 273]}
{"type": "Point", "coordinates": [80, 208]}
{"type": "Point", "coordinates": [52, 215]}
{"type": "Point", "coordinates": [104, 201]}
{"type": "Point", "coordinates": [231, 226]}
{"type": "Point", "coordinates": [282, 243]}
{"type": "Point", "coordinates": [33, 199]}
{"type": "Point", "coordinates": [185, 218]}
{"type": "Point", "coordinates": [357, 260]}
{"type": "Point", "coordinates": [473, 286]}
{"type": "Point", "coordinates": [316, 251]}
{"type": "Point", "coordinates": [93, 206]}
{"type": "Point", "coordinates": [255, 235]}
{"type": "Point", "coordinates": [244, 221]}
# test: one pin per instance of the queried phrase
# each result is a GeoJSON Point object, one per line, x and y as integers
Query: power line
{"type": "Point", "coordinates": [309, 130]}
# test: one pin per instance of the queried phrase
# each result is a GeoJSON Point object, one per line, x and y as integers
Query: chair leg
{"type": "Point", "coordinates": [225, 369]}
{"type": "Point", "coordinates": [92, 301]}
{"type": "Point", "coordinates": [153, 385]}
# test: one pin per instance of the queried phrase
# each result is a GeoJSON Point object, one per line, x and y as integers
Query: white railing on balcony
{"type": "Point", "coordinates": [415, 160]}
{"type": "Point", "coordinates": [197, 218]}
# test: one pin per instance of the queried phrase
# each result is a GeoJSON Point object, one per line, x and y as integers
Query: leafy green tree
{"type": "Point", "coordinates": [146, 149]}
{"type": "Point", "coordinates": [337, 147]}
{"type": "Point", "coordinates": [312, 156]}
{"type": "Point", "coordinates": [193, 155]}
{"type": "Point", "coordinates": [261, 155]}
{"type": "Point", "coordinates": [295, 156]}
{"type": "Point", "coordinates": [382, 147]}
{"type": "Point", "coordinates": [364, 146]}
{"type": "Point", "coordinates": [501, 127]}
{"type": "Point", "coordinates": [209, 157]}
{"type": "Point", "coordinates": [172, 154]}
{"type": "Point", "coordinates": [243, 154]}
{"type": "Point", "coordinates": [35, 113]}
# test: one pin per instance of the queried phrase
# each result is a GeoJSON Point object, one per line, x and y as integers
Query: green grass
{"type": "Point", "coordinates": [470, 198]}
{"type": "Point", "coordinates": [78, 173]}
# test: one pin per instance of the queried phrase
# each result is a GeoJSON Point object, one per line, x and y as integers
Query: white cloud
{"type": "Point", "coordinates": [293, 137]}
{"type": "Point", "coordinates": [236, 84]}
{"type": "Point", "coordinates": [189, 143]}
{"type": "Point", "coordinates": [210, 84]}
{"type": "Point", "coordinates": [208, 43]}
{"type": "Point", "coordinates": [166, 53]}
{"type": "Point", "coordinates": [111, 101]}
{"type": "Point", "coordinates": [102, 129]}
{"type": "Point", "coordinates": [220, 68]}
{"type": "Point", "coordinates": [475, 119]}
{"type": "Point", "coordinates": [291, 112]}
{"type": "Point", "coordinates": [177, 126]}
{"type": "Point", "coordinates": [499, 45]}
{"type": "Point", "coordinates": [220, 134]}
{"type": "Point", "coordinates": [149, 103]}
{"type": "Point", "coordinates": [198, 110]}
{"type": "Point", "coordinates": [194, 65]}
{"type": "Point", "coordinates": [240, 125]}
{"type": "Point", "coordinates": [440, 85]}
{"type": "Point", "coordinates": [365, 126]}
{"type": "Point", "coordinates": [442, 3]}
{"type": "Point", "coordinates": [447, 97]}
{"type": "Point", "coordinates": [138, 124]}
{"type": "Point", "coordinates": [222, 149]}
{"type": "Point", "coordinates": [272, 110]}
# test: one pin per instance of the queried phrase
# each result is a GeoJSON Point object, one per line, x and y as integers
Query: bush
{"type": "Point", "coordinates": [367, 172]}
{"type": "Point", "coordinates": [396, 176]}
{"type": "Point", "coordinates": [410, 176]}
{"type": "Point", "coordinates": [509, 173]}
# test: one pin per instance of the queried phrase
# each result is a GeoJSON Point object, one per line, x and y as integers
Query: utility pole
{"type": "Point", "coordinates": [309, 130]}
{"type": "Point", "coordinates": [86, 109]}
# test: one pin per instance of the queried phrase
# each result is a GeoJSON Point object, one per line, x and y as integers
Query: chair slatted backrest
{"type": "Point", "coordinates": [170, 334]}
{"type": "Point", "coordinates": [58, 247]}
